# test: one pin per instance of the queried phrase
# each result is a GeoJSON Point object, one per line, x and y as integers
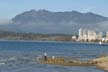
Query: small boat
{"type": "Point", "coordinates": [100, 42]}
{"type": "Point", "coordinates": [103, 44]}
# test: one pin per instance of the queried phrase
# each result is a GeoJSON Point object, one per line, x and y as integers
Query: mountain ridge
{"type": "Point", "coordinates": [49, 22]}
{"type": "Point", "coordinates": [67, 16]}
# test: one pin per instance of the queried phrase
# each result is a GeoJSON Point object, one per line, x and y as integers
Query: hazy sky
{"type": "Point", "coordinates": [10, 8]}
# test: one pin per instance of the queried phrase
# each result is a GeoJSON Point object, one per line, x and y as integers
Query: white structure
{"type": "Point", "coordinates": [106, 37]}
{"type": "Point", "coordinates": [103, 39]}
{"type": "Point", "coordinates": [85, 37]}
{"type": "Point", "coordinates": [80, 35]}
{"type": "Point", "coordinates": [74, 38]}
{"type": "Point", "coordinates": [99, 36]}
{"type": "Point", "coordinates": [91, 35]}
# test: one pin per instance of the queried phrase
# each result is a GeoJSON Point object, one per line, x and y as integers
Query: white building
{"type": "Point", "coordinates": [91, 35]}
{"type": "Point", "coordinates": [85, 37]}
{"type": "Point", "coordinates": [106, 37]}
{"type": "Point", "coordinates": [80, 35]}
{"type": "Point", "coordinates": [99, 36]}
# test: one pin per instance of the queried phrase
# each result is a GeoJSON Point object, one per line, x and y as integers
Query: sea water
{"type": "Point", "coordinates": [20, 56]}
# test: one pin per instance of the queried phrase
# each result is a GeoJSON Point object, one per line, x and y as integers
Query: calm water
{"type": "Point", "coordinates": [17, 56]}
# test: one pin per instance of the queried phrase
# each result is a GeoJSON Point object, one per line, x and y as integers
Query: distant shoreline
{"type": "Point", "coordinates": [50, 41]}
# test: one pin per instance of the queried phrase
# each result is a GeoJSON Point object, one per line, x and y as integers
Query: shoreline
{"type": "Point", "coordinates": [52, 41]}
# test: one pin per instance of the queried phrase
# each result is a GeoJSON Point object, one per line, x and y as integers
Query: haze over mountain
{"type": "Point", "coordinates": [44, 21]}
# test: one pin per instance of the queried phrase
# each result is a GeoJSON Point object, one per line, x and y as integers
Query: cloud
{"type": "Point", "coordinates": [88, 9]}
{"type": "Point", "coordinates": [5, 21]}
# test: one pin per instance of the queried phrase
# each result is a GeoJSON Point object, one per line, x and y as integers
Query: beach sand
{"type": "Point", "coordinates": [102, 63]}
{"type": "Point", "coordinates": [103, 66]}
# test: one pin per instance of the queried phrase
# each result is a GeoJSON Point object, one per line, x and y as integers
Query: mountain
{"type": "Point", "coordinates": [67, 22]}
{"type": "Point", "coordinates": [58, 17]}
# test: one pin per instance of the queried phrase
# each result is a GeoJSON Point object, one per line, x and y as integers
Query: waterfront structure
{"type": "Point", "coordinates": [87, 35]}
{"type": "Point", "coordinates": [106, 37]}
{"type": "Point", "coordinates": [80, 35]}
{"type": "Point", "coordinates": [103, 39]}
{"type": "Point", "coordinates": [91, 35]}
{"type": "Point", "coordinates": [99, 36]}
{"type": "Point", "coordinates": [74, 38]}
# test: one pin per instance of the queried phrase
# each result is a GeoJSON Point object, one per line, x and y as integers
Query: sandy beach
{"type": "Point", "coordinates": [103, 66]}
{"type": "Point", "coordinates": [102, 63]}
